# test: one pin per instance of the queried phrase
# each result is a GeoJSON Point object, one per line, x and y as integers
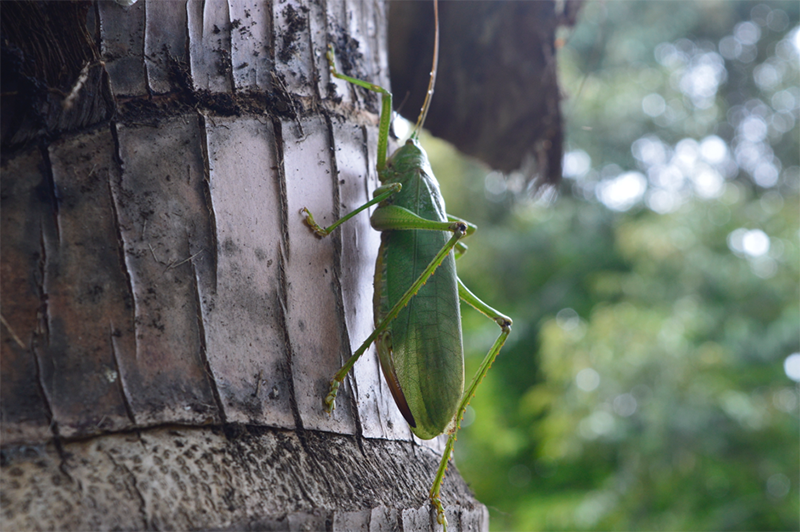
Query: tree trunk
{"type": "Point", "coordinates": [169, 324]}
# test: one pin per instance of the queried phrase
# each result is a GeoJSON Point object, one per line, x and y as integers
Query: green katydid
{"type": "Point", "coordinates": [417, 316]}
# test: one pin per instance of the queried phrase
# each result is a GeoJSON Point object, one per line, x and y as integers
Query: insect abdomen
{"type": "Point", "coordinates": [426, 346]}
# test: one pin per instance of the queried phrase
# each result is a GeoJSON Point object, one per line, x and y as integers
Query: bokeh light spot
{"type": "Point", "coordinates": [622, 192]}
{"type": "Point", "coordinates": [588, 379]}
{"type": "Point", "coordinates": [791, 366]}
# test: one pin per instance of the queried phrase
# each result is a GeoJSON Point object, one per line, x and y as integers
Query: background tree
{"type": "Point", "coordinates": [648, 383]}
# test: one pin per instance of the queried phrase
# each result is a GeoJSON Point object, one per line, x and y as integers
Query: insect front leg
{"type": "Point", "coordinates": [381, 193]}
{"type": "Point", "coordinates": [459, 230]}
{"type": "Point", "coordinates": [504, 322]}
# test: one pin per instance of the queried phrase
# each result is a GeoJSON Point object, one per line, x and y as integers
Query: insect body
{"type": "Point", "coordinates": [417, 291]}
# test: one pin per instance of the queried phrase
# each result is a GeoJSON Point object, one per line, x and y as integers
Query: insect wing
{"type": "Point", "coordinates": [427, 351]}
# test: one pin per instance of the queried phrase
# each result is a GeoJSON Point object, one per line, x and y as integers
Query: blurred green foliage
{"type": "Point", "coordinates": [655, 301]}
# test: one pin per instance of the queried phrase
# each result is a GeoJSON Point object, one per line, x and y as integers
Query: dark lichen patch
{"type": "Point", "coordinates": [350, 61]}
{"type": "Point", "coordinates": [229, 247]}
{"type": "Point", "coordinates": [348, 54]}
{"type": "Point", "coordinates": [296, 23]}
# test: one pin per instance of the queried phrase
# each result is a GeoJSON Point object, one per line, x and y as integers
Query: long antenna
{"type": "Point", "coordinates": [423, 113]}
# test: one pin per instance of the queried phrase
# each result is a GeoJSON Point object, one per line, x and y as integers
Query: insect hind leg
{"type": "Point", "coordinates": [504, 322]}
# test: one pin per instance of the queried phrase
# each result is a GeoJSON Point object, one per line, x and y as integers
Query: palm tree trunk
{"type": "Point", "coordinates": [169, 324]}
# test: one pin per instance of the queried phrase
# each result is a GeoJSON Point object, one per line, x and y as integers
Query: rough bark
{"type": "Point", "coordinates": [169, 324]}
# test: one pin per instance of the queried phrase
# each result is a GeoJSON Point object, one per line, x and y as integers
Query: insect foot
{"type": "Point", "coordinates": [440, 517]}
{"type": "Point", "coordinates": [330, 399]}
{"type": "Point", "coordinates": [309, 219]}
{"type": "Point", "coordinates": [329, 55]}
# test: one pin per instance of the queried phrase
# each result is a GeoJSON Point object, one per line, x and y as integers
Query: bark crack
{"type": "Point", "coordinates": [187, 41]}
{"type": "Point", "coordinates": [337, 277]}
{"type": "Point", "coordinates": [212, 232]}
{"type": "Point", "coordinates": [63, 456]}
{"type": "Point", "coordinates": [43, 330]}
{"type": "Point", "coordinates": [314, 71]}
{"type": "Point", "coordinates": [228, 57]}
{"type": "Point", "coordinates": [135, 485]}
{"type": "Point", "coordinates": [121, 241]}
{"type": "Point", "coordinates": [54, 192]}
{"type": "Point", "coordinates": [269, 43]}
{"type": "Point", "coordinates": [203, 348]}
{"type": "Point", "coordinates": [212, 215]}
{"type": "Point", "coordinates": [146, 74]}
{"type": "Point", "coordinates": [277, 130]}
{"type": "Point", "coordinates": [280, 295]}
{"type": "Point", "coordinates": [115, 359]}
